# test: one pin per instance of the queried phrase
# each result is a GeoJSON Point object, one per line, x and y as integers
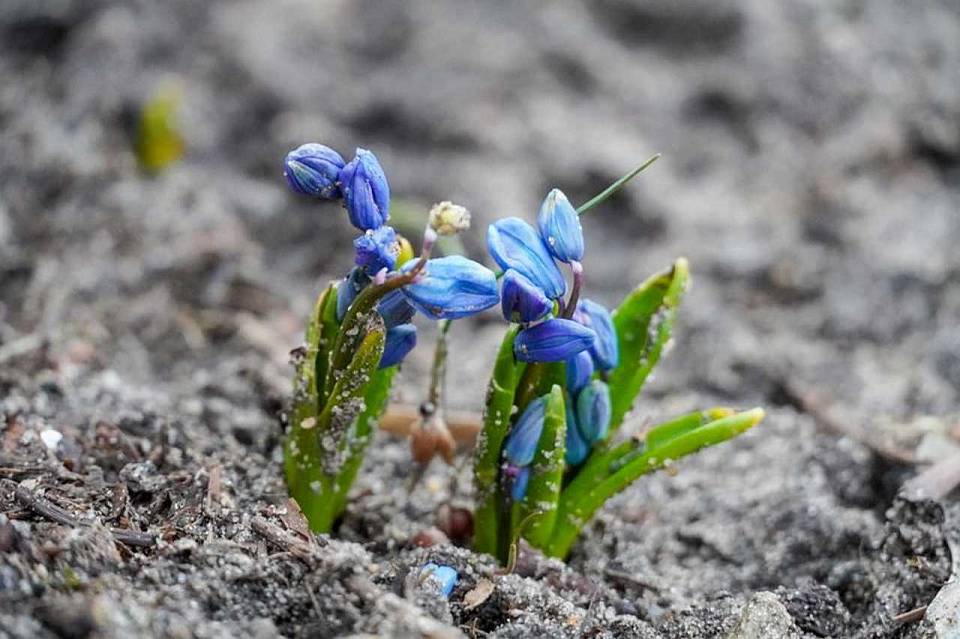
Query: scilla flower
{"type": "Point", "coordinates": [521, 300]}
{"type": "Point", "coordinates": [348, 290]}
{"type": "Point", "coordinates": [606, 350]}
{"type": "Point", "coordinates": [365, 191]}
{"type": "Point", "coordinates": [313, 169]}
{"type": "Point", "coordinates": [400, 341]}
{"type": "Point", "coordinates": [395, 309]}
{"type": "Point", "coordinates": [554, 340]}
{"type": "Point", "coordinates": [515, 244]}
{"type": "Point", "coordinates": [593, 411]}
{"type": "Point", "coordinates": [452, 287]}
{"type": "Point", "coordinates": [521, 446]}
{"type": "Point", "coordinates": [579, 371]}
{"type": "Point", "coordinates": [377, 249]}
{"type": "Point", "coordinates": [560, 227]}
{"type": "Point", "coordinates": [577, 447]}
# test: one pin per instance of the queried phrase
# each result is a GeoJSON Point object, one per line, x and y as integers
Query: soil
{"type": "Point", "coordinates": [811, 175]}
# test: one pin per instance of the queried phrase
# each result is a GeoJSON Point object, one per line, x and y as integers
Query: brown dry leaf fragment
{"type": "Point", "coordinates": [480, 593]}
{"type": "Point", "coordinates": [295, 520]}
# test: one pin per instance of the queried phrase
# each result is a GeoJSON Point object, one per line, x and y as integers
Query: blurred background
{"type": "Point", "coordinates": [810, 172]}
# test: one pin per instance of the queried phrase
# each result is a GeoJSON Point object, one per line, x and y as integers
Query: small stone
{"type": "Point", "coordinates": [764, 617]}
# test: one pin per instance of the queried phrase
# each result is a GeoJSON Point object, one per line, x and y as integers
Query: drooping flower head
{"type": "Point", "coordinates": [452, 287]}
{"type": "Point", "coordinates": [313, 169]}
{"type": "Point", "coordinates": [377, 249]}
{"type": "Point", "coordinates": [560, 227]}
{"type": "Point", "coordinates": [579, 371]}
{"type": "Point", "coordinates": [395, 309]}
{"type": "Point", "coordinates": [577, 447]}
{"type": "Point", "coordinates": [515, 244]}
{"type": "Point", "coordinates": [522, 300]}
{"type": "Point", "coordinates": [399, 342]}
{"type": "Point", "coordinates": [606, 350]}
{"type": "Point", "coordinates": [365, 191]}
{"type": "Point", "coordinates": [593, 411]}
{"type": "Point", "coordinates": [553, 340]}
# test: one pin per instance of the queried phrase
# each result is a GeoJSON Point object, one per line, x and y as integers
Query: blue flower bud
{"type": "Point", "coordinates": [593, 411]}
{"type": "Point", "coordinates": [577, 447]}
{"type": "Point", "coordinates": [521, 444]}
{"type": "Point", "coordinates": [606, 350]}
{"type": "Point", "coordinates": [452, 287]}
{"type": "Point", "coordinates": [348, 290]}
{"type": "Point", "coordinates": [579, 372]}
{"type": "Point", "coordinates": [518, 485]}
{"type": "Point", "coordinates": [395, 309]}
{"type": "Point", "coordinates": [560, 227]}
{"type": "Point", "coordinates": [400, 341]}
{"type": "Point", "coordinates": [443, 578]}
{"type": "Point", "coordinates": [313, 169]}
{"type": "Point", "coordinates": [365, 191]}
{"type": "Point", "coordinates": [554, 340]}
{"type": "Point", "coordinates": [515, 244]}
{"type": "Point", "coordinates": [377, 249]}
{"type": "Point", "coordinates": [521, 300]}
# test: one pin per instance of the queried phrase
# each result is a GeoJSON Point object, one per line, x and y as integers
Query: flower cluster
{"type": "Point", "coordinates": [579, 333]}
{"type": "Point", "coordinates": [443, 288]}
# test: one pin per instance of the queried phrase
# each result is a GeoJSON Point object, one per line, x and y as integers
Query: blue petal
{"type": "Point", "coordinates": [560, 227]}
{"type": "Point", "coordinates": [348, 290]}
{"type": "Point", "coordinates": [579, 371]}
{"type": "Point", "coordinates": [554, 340]}
{"type": "Point", "coordinates": [606, 351]}
{"type": "Point", "coordinates": [400, 341]}
{"type": "Point", "coordinates": [515, 244]}
{"type": "Point", "coordinates": [577, 448]}
{"type": "Point", "coordinates": [395, 309]}
{"type": "Point", "coordinates": [377, 249]}
{"type": "Point", "coordinates": [521, 444]}
{"type": "Point", "coordinates": [313, 169]}
{"type": "Point", "coordinates": [518, 487]}
{"type": "Point", "coordinates": [443, 578]}
{"type": "Point", "coordinates": [365, 191]}
{"type": "Point", "coordinates": [521, 300]}
{"type": "Point", "coordinates": [593, 411]}
{"type": "Point", "coordinates": [452, 287]}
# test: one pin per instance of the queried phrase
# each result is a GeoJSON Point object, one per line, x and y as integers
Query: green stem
{"type": "Point", "coordinates": [616, 186]}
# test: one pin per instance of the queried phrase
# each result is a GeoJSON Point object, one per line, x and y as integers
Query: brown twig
{"type": "Point", "coordinates": [936, 482]}
{"type": "Point", "coordinates": [911, 615]}
{"type": "Point", "coordinates": [282, 539]}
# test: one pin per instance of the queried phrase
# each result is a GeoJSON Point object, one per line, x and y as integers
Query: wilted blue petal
{"type": "Point", "coordinates": [365, 191]}
{"type": "Point", "coordinates": [579, 371]}
{"type": "Point", "coordinates": [606, 351]}
{"type": "Point", "coordinates": [400, 341]}
{"type": "Point", "coordinates": [348, 290]}
{"type": "Point", "coordinates": [515, 244]}
{"type": "Point", "coordinates": [313, 169]}
{"type": "Point", "coordinates": [377, 249]}
{"type": "Point", "coordinates": [395, 309]}
{"type": "Point", "coordinates": [593, 411]}
{"type": "Point", "coordinates": [518, 486]}
{"type": "Point", "coordinates": [554, 340]}
{"type": "Point", "coordinates": [452, 287]}
{"type": "Point", "coordinates": [521, 444]}
{"type": "Point", "coordinates": [443, 578]}
{"type": "Point", "coordinates": [521, 300]}
{"type": "Point", "coordinates": [560, 227]}
{"type": "Point", "coordinates": [577, 448]}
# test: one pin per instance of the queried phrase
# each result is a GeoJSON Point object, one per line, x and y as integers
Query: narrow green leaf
{"type": "Point", "coordinates": [662, 434]}
{"type": "Point", "coordinates": [329, 330]}
{"type": "Point", "coordinates": [539, 506]}
{"type": "Point", "coordinates": [616, 186]}
{"type": "Point", "coordinates": [643, 322]}
{"type": "Point", "coordinates": [496, 422]}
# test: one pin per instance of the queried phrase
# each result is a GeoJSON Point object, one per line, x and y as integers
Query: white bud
{"type": "Point", "coordinates": [447, 218]}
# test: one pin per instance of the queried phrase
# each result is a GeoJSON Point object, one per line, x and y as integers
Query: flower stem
{"type": "Point", "coordinates": [571, 307]}
{"type": "Point", "coordinates": [616, 186]}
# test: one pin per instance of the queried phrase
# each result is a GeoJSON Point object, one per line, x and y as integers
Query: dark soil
{"type": "Point", "coordinates": [811, 174]}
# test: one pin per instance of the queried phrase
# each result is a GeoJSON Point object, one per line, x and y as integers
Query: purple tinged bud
{"type": "Point", "coordinates": [593, 411]}
{"type": "Point", "coordinates": [521, 300]}
{"type": "Point", "coordinates": [400, 341]}
{"type": "Point", "coordinates": [554, 340]}
{"type": "Point", "coordinates": [365, 191]}
{"type": "Point", "coordinates": [377, 249]}
{"type": "Point", "coordinates": [443, 578]}
{"type": "Point", "coordinates": [515, 244]}
{"type": "Point", "coordinates": [577, 447]}
{"type": "Point", "coordinates": [521, 444]}
{"type": "Point", "coordinates": [313, 169]}
{"type": "Point", "coordinates": [348, 290]}
{"type": "Point", "coordinates": [395, 309]}
{"type": "Point", "coordinates": [518, 487]}
{"type": "Point", "coordinates": [560, 227]}
{"type": "Point", "coordinates": [579, 371]}
{"type": "Point", "coordinates": [452, 287]}
{"type": "Point", "coordinates": [606, 350]}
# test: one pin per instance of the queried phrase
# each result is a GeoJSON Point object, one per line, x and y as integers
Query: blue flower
{"type": "Point", "coordinates": [606, 350]}
{"type": "Point", "coordinates": [560, 227]}
{"type": "Point", "coordinates": [400, 341]}
{"type": "Point", "coordinates": [577, 448]}
{"type": "Point", "coordinates": [554, 340]}
{"type": "Point", "coordinates": [395, 309]}
{"type": "Point", "coordinates": [521, 444]}
{"type": "Point", "coordinates": [518, 486]}
{"type": "Point", "coordinates": [521, 300]}
{"type": "Point", "coordinates": [579, 371]}
{"type": "Point", "coordinates": [515, 244]}
{"type": "Point", "coordinates": [452, 287]}
{"type": "Point", "coordinates": [377, 249]}
{"type": "Point", "coordinates": [348, 290]}
{"type": "Point", "coordinates": [313, 169]}
{"type": "Point", "coordinates": [443, 578]}
{"type": "Point", "coordinates": [593, 411]}
{"type": "Point", "coordinates": [365, 191]}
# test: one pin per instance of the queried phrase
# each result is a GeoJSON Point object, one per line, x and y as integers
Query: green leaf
{"type": "Point", "coordinates": [616, 186]}
{"type": "Point", "coordinates": [643, 322]}
{"type": "Point", "coordinates": [539, 506]}
{"type": "Point", "coordinates": [486, 468]}
{"type": "Point", "coordinates": [674, 442]}
{"type": "Point", "coordinates": [329, 331]}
